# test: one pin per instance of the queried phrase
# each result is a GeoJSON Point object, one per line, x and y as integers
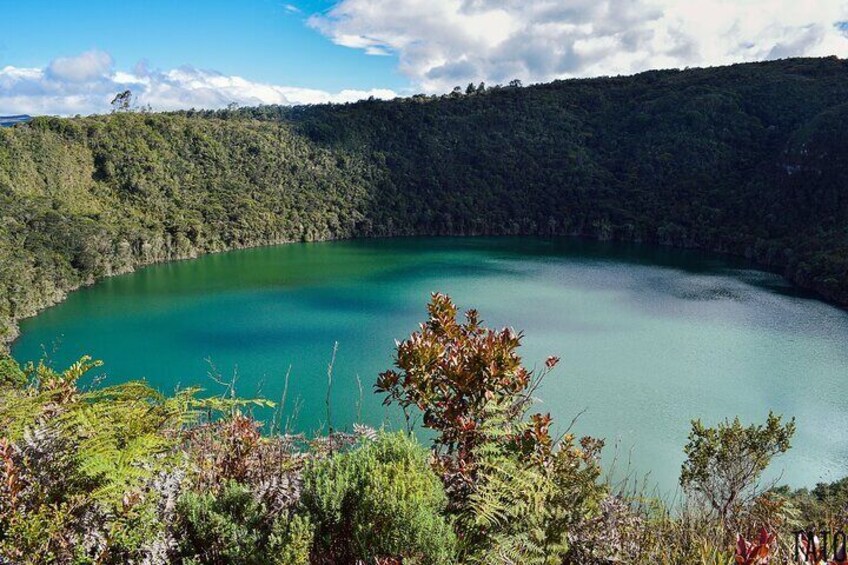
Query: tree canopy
{"type": "Point", "coordinates": [748, 159]}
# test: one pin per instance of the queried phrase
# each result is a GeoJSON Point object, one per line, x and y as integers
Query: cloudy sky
{"type": "Point", "coordinates": [69, 57]}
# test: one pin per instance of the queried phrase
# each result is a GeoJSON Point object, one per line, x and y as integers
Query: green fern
{"type": "Point", "coordinates": [520, 510]}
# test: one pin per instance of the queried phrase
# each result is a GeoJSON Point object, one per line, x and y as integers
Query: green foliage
{"type": "Point", "coordinates": [723, 464]}
{"type": "Point", "coordinates": [516, 493]}
{"type": "Point", "coordinates": [454, 373]}
{"type": "Point", "coordinates": [748, 159]}
{"type": "Point", "coordinates": [380, 500]}
{"type": "Point", "coordinates": [290, 542]}
{"type": "Point", "coordinates": [233, 527]}
{"type": "Point", "coordinates": [824, 507]}
{"type": "Point", "coordinates": [11, 374]}
{"type": "Point", "coordinates": [78, 464]}
{"type": "Point", "coordinates": [117, 432]}
{"type": "Point", "coordinates": [520, 511]}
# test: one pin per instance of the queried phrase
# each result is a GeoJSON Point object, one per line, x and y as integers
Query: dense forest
{"type": "Point", "coordinates": [750, 159]}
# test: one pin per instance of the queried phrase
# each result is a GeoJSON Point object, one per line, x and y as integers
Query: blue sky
{"type": "Point", "coordinates": [260, 39]}
{"type": "Point", "coordinates": [72, 56]}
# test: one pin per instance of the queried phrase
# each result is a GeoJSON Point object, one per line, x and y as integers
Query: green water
{"type": "Point", "coordinates": [649, 338]}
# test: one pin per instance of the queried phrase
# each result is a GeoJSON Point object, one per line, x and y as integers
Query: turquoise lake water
{"type": "Point", "coordinates": [649, 338]}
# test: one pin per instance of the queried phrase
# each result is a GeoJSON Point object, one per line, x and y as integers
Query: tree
{"type": "Point", "coordinates": [724, 464]}
{"type": "Point", "coordinates": [515, 83]}
{"type": "Point", "coordinates": [456, 373]}
{"type": "Point", "coordinates": [481, 88]}
{"type": "Point", "coordinates": [470, 88]}
{"type": "Point", "coordinates": [122, 102]}
{"type": "Point", "coordinates": [515, 493]}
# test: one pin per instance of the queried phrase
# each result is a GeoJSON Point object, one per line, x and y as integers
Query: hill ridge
{"type": "Point", "coordinates": [749, 159]}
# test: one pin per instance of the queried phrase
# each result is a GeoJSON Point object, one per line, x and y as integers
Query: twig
{"type": "Point", "coordinates": [330, 387]}
{"type": "Point", "coordinates": [359, 402]}
{"type": "Point", "coordinates": [278, 416]}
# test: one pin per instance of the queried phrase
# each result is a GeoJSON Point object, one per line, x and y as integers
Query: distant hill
{"type": "Point", "coordinates": [6, 121]}
{"type": "Point", "coordinates": [749, 159]}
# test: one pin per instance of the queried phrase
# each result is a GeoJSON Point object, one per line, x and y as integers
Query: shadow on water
{"type": "Point", "coordinates": [650, 337]}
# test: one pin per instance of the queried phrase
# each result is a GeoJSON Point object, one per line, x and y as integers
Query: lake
{"type": "Point", "coordinates": [649, 338]}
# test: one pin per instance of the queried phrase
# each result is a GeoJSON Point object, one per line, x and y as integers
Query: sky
{"type": "Point", "coordinates": [70, 57]}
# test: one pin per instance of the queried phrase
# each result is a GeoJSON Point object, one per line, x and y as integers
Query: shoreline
{"type": "Point", "coordinates": [8, 340]}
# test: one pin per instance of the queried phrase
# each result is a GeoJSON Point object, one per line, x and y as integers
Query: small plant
{"type": "Point", "coordinates": [76, 465]}
{"type": "Point", "coordinates": [378, 501]}
{"type": "Point", "coordinates": [754, 553]}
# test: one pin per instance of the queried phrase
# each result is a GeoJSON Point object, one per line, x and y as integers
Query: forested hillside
{"type": "Point", "coordinates": [750, 159]}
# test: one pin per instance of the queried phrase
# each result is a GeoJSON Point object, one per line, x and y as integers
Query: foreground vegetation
{"type": "Point", "coordinates": [124, 475]}
{"type": "Point", "coordinates": [749, 159]}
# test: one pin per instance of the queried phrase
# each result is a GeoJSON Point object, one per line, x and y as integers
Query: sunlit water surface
{"type": "Point", "coordinates": [649, 338]}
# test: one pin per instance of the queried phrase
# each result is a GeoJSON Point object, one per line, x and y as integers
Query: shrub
{"type": "Point", "coordinates": [823, 507]}
{"type": "Point", "coordinates": [10, 372]}
{"type": "Point", "coordinates": [233, 527]}
{"type": "Point", "coordinates": [378, 500]}
{"type": "Point", "coordinates": [724, 464]}
{"type": "Point", "coordinates": [290, 542]}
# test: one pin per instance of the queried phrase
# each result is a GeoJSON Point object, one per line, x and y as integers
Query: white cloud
{"type": "Point", "coordinates": [441, 43]}
{"type": "Point", "coordinates": [87, 83]}
{"type": "Point", "coordinates": [82, 68]}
